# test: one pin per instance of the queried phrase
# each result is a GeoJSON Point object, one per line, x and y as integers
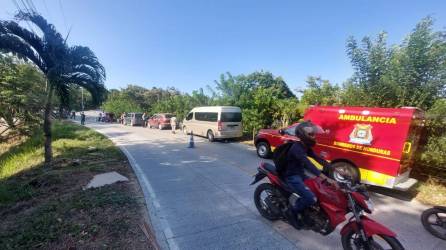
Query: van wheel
{"type": "Point", "coordinates": [263, 150]}
{"type": "Point", "coordinates": [211, 137]}
{"type": "Point", "coordinates": [339, 170]}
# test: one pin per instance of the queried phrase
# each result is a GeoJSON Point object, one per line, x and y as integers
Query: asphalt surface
{"type": "Point", "coordinates": [200, 198]}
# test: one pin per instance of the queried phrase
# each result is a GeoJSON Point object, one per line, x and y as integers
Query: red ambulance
{"type": "Point", "coordinates": [373, 145]}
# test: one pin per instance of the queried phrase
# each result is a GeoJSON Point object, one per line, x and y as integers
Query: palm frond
{"type": "Point", "coordinates": [62, 65]}
{"type": "Point", "coordinates": [83, 57]}
{"type": "Point", "coordinates": [49, 31]}
{"type": "Point", "coordinates": [96, 89]}
{"type": "Point", "coordinates": [31, 38]}
{"type": "Point", "coordinates": [15, 45]}
{"type": "Point", "coordinates": [63, 92]}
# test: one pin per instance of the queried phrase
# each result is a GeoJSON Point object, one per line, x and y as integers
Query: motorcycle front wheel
{"type": "Point", "coordinates": [434, 221]}
{"type": "Point", "coordinates": [264, 199]}
{"type": "Point", "coordinates": [352, 241]}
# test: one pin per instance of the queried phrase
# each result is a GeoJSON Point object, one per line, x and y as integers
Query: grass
{"type": "Point", "coordinates": [48, 208]}
{"type": "Point", "coordinates": [431, 187]}
{"type": "Point", "coordinates": [432, 192]}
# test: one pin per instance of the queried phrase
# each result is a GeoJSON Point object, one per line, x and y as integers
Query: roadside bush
{"type": "Point", "coordinates": [432, 158]}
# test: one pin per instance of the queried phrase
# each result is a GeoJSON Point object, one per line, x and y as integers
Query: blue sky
{"type": "Point", "coordinates": [188, 44]}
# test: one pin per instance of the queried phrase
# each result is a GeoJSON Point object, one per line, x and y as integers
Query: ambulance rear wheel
{"type": "Point", "coordinates": [340, 170]}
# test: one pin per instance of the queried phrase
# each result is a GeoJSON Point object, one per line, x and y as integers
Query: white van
{"type": "Point", "coordinates": [215, 122]}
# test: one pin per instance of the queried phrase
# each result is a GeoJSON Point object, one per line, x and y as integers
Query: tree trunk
{"type": "Point", "coordinates": [47, 127]}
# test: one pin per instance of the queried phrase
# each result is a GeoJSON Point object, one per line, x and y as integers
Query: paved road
{"type": "Point", "coordinates": [200, 198]}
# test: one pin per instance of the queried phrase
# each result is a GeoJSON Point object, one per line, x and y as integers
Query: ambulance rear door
{"type": "Point", "coordinates": [413, 139]}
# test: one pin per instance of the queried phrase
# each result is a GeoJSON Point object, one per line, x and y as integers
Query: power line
{"type": "Point", "coordinates": [46, 9]}
{"type": "Point", "coordinates": [63, 15]}
{"type": "Point", "coordinates": [17, 5]}
{"type": "Point", "coordinates": [25, 6]}
{"type": "Point", "coordinates": [31, 5]}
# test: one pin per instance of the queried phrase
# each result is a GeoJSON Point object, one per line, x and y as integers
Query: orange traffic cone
{"type": "Point", "coordinates": [191, 140]}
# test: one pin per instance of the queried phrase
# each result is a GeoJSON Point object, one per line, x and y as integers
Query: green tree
{"type": "Point", "coordinates": [320, 92]}
{"type": "Point", "coordinates": [75, 100]}
{"type": "Point", "coordinates": [410, 74]}
{"type": "Point", "coordinates": [119, 103]}
{"type": "Point", "coordinates": [238, 90]}
{"type": "Point", "coordinates": [370, 80]}
{"type": "Point", "coordinates": [267, 80]}
{"type": "Point", "coordinates": [180, 104]}
{"type": "Point", "coordinates": [418, 67]}
{"type": "Point", "coordinates": [434, 151]}
{"type": "Point", "coordinates": [262, 111]}
{"type": "Point", "coordinates": [232, 90]}
{"type": "Point", "coordinates": [288, 111]}
{"type": "Point", "coordinates": [21, 97]}
{"type": "Point", "coordinates": [63, 66]}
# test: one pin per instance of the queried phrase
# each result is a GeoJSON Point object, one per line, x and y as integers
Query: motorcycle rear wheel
{"type": "Point", "coordinates": [261, 205]}
{"type": "Point", "coordinates": [440, 222]}
{"type": "Point", "coordinates": [352, 241]}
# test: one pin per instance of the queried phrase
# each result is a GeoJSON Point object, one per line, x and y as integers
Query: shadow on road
{"type": "Point", "coordinates": [408, 195]}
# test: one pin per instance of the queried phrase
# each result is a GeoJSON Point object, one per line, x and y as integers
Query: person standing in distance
{"type": "Point", "coordinates": [82, 118]}
{"type": "Point", "coordinates": [173, 124]}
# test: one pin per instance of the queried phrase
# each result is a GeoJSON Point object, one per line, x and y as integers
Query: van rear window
{"type": "Point", "coordinates": [231, 117]}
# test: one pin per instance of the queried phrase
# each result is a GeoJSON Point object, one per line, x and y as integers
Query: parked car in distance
{"type": "Point", "coordinates": [372, 145]}
{"type": "Point", "coordinates": [216, 122]}
{"type": "Point", "coordinates": [108, 117]}
{"type": "Point", "coordinates": [160, 121]}
{"type": "Point", "coordinates": [133, 119]}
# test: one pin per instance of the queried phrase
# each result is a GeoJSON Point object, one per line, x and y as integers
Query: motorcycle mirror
{"type": "Point", "coordinates": [281, 132]}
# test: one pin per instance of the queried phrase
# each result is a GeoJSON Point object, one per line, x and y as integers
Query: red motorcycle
{"type": "Point", "coordinates": [272, 200]}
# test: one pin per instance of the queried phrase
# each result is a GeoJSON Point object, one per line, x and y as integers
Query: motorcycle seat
{"type": "Point", "coordinates": [270, 167]}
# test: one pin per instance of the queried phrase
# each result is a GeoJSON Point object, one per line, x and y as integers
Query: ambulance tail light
{"type": "Point", "coordinates": [220, 126]}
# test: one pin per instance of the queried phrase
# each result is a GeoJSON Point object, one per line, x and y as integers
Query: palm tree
{"type": "Point", "coordinates": [62, 65]}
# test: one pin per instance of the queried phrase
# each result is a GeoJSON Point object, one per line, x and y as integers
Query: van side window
{"type": "Point", "coordinates": [189, 116]}
{"type": "Point", "coordinates": [212, 116]}
{"type": "Point", "coordinates": [199, 116]}
{"type": "Point", "coordinates": [206, 116]}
